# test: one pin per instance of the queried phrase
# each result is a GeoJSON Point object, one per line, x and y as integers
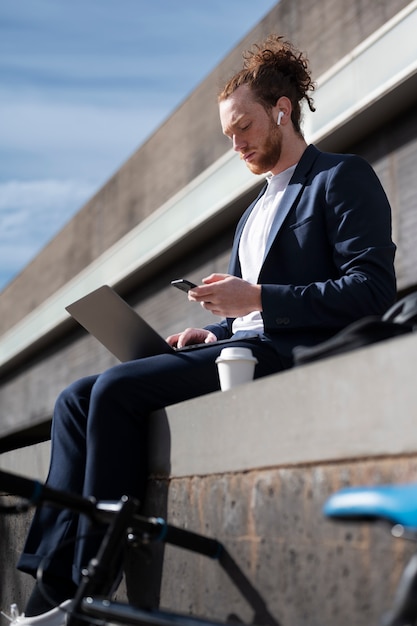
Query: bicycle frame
{"type": "Point", "coordinates": [93, 596]}
{"type": "Point", "coordinates": [123, 520]}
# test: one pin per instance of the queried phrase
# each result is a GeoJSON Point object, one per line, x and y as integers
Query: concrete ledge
{"type": "Point", "coordinates": [357, 405]}
{"type": "Point", "coordinates": [31, 461]}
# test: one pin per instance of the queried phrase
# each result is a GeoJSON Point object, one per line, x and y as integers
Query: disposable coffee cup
{"type": "Point", "coordinates": [235, 366]}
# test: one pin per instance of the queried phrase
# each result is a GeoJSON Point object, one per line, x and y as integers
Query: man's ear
{"type": "Point", "coordinates": [282, 110]}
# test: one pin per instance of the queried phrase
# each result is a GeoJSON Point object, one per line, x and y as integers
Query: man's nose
{"type": "Point", "coordinates": [238, 143]}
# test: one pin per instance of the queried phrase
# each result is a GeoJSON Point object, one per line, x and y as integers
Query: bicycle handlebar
{"type": "Point", "coordinates": [36, 492]}
{"type": "Point", "coordinates": [155, 528]}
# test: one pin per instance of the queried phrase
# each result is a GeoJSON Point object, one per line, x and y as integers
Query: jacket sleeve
{"type": "Point", "coordinates": [222, 330]}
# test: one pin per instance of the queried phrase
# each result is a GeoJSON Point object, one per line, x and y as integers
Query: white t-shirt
{"type": "Point", "coordinates": [252, 243]}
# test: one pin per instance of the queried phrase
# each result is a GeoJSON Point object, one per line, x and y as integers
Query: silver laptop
{"type": "Point", "coordinates": [110, 319]}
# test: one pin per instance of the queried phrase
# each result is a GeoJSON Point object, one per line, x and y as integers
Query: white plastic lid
{"type": "Point", "coordinates": [234, 354]}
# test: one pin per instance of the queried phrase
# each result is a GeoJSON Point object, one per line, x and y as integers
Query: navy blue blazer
{"type": "Point", "coordinates": [329, 258]}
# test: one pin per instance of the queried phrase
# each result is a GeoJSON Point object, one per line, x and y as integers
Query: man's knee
{"type": "Point", "coordinates": [108, 384]}
{"type": "Point", "coordinates": [75, 397]}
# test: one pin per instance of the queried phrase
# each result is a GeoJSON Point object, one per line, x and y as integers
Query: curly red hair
{"type": "Point", "coordinates": [272, 69]}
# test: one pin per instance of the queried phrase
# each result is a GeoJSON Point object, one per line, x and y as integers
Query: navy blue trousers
{"type": "Point", "coordinates": [99, 441]}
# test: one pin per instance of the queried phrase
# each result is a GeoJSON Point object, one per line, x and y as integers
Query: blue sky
{"type": "Point", "coordinates": [82, 84]}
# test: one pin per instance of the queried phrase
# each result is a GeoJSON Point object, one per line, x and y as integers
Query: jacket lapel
{"type": "Point", "coordinates": [290, 197]}
{"type": "Point", "coordinates": [292, 193]}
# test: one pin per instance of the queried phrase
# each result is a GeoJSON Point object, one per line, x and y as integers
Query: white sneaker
{"type": "Point", "coordinates": [55, 617]}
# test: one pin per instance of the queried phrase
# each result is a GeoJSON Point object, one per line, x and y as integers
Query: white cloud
{"type": "Point", "coordinates": [38, 197]}
{"type": "Point", "coordinates": [83, 130]}
{"type": "Point", "coordinates": [30, 211]}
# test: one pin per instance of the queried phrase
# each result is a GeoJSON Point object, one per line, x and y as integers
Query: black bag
{"type": "Point", "coordinates": [400, 319]}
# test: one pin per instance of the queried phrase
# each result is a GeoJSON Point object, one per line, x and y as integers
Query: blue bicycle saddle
{"type": "Point", "coordinates": [393, 503]}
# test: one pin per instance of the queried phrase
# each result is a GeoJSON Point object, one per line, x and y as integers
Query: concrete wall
{"type": "Point", "coordinates": [256, 466]}
{"type": "Point", "coordinates": [253, 467]}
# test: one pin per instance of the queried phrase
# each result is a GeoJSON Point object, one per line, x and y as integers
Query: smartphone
{"type": "Point", "coordinates": [184, 285]}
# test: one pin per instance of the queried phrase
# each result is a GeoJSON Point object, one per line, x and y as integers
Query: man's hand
{"type": "Point", "coordinates": [191, 336]}
{"type": "Point", "coordinates": [227, 296]}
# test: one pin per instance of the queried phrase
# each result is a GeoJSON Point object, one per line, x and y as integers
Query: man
{"type": "Point", "coordinates": [312, 254]}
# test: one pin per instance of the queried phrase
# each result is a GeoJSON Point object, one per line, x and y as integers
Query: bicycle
{"type": "Point", "coordinates": [393, 504]}
{"type": "Point", "coordinates": [92, 602]}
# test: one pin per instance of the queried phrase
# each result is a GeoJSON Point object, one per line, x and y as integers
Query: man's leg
{"type": "Point", "coordinates": [53, 530]}
{"type": "Point", "coordinates": [100, 438]}
{"type": "Point", "coordinates": [122, 399]}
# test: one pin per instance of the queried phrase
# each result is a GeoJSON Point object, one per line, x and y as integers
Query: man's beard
{"type": "Point", "coordinates": [270, 153]}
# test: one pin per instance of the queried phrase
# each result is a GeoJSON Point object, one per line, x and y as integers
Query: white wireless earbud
{"type": "Point", "coordinates": [280, 116]}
